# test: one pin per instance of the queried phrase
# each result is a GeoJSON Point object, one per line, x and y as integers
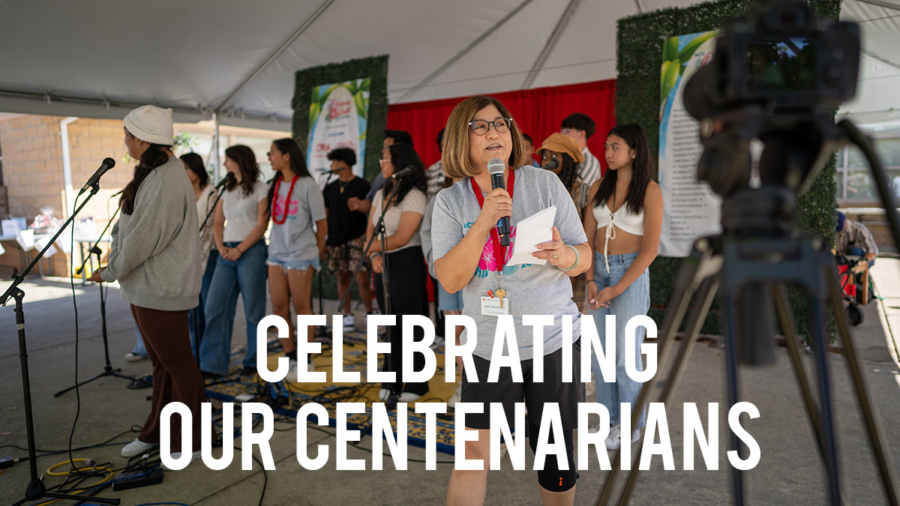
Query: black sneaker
{"type": "Point", "coordinates": [248, 371]}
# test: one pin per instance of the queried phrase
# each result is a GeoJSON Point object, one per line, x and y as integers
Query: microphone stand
{"type": "Point", "coordinates": [108, 370]}
{"type": "Point", "coordinates": [36, 489]}
{"type": "Point", "coordinates": [322, 331]}
{"type": "Point", "coordinates": [196, 322]}
{"type": "Point", "coordinates": [391, 402]}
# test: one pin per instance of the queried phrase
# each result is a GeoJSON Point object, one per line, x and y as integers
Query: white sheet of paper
{"type": "Point", "coordinates": [25, 238]}
{"type": "Point", "coordinates": [533, 230]}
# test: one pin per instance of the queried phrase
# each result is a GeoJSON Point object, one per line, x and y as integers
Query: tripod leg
{"type": "Point", "coordinates": [704, 298]}
{"type": "Point", "coordinates": [829, 448]}
{"type": "Point", "coordinates": [691, 268]}
{"type": "Point", "coordinates": [790, 334]}
{"type": "Point", "coordinates": [873, 427]}
{"type": "Point", "coordinates": [731, 380]}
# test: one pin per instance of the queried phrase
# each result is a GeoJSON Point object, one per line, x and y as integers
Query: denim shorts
{"type": "Point", "coordinates": [449, 301]}
{"type": "Point", "coordinates": [297, 265]}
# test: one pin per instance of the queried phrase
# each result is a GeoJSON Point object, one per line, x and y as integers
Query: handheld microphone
{"type": "Point", "coordinates": [95, 178]}
{"type": "Point", "coordinates": [551, 165]}
{"type": "Point", "coordinates": [229, 176]}
{"type": "Point", "coordinates": [327, 171]}
{"type": "Point", "coordinates": [403, 173]}
{"type": "Point", "coordinates": [495, 168]}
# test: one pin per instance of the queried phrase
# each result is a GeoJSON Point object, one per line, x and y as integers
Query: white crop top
{"type": "Point", "coordinates": [631, 223]}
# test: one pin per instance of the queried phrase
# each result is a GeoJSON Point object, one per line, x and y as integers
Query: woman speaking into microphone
{"type": "Point", "coordinates": [155, 256]}
{"type": "Point", "coordinates": [469, 256]}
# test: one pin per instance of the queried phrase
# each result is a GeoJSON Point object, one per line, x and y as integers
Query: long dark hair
{"type": "Point", "coordinates": [246, 161]}
{"type": "Point", "coordinates": [290, 147]}
{"type": "Point", "coordinates": [569, 173]}
{"type": "Point", "coordinates": [642, 170]}
{"type": "Point", "coordinates": [402, 156]}
{"type": "Point", "coordinates": [153, 157]}
{"type": "Point", "coordinates": [194, 163]}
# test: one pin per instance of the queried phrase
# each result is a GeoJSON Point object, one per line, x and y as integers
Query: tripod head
{"type": "Point", "coordinates": [777, 77]}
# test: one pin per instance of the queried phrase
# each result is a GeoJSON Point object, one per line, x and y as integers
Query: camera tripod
{"type": "Point", "coordinates": [759, 251]}
{"type": "Point", "coordinates": [36, 489]}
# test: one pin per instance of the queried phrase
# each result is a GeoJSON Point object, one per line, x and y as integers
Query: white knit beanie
{"type": "Point", "coordinates": [151, 124]}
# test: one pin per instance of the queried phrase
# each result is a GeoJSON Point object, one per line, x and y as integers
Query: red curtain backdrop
{"type": "Point", "coordinates": [539, 112]}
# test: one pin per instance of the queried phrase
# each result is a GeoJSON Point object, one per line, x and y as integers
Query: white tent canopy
{"type": "Point", "coordinates": [237, 58]}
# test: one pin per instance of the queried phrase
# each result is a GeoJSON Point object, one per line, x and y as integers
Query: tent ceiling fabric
{"type": "Point", "coordinates": [193, 55]}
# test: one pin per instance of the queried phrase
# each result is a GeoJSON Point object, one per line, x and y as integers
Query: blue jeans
{"type": "Point", "coordinates": [635, 300]}
{"type": "Point", "coordinates": [139, 345]}
{"type": "Point", "coordinates": [247, 277]}
{"type": "Point", "coordinates": [197, 313]}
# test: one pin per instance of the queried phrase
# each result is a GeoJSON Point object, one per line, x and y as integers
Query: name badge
{"type": "Point", "coordinates": [491, 306]}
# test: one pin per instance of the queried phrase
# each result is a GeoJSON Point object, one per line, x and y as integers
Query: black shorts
{"type": "Point", "coordinates": [535, 395]}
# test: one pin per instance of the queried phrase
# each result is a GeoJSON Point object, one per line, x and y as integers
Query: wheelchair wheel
{"type": "Point", "coordinates": [854, 315]}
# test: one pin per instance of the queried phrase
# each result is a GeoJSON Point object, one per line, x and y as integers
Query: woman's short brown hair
{"type": "Point", "coordinates": [455, 157]}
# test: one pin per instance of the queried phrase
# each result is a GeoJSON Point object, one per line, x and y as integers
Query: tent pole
{"type": "Point", "coordinates": [67, 163]}
{"type": "Point", "coordinates": [462, 53]}
{"type": "Point", "coordinates": [554, 37]}
{"type": "Point", "coordinates": [306, 24]}
{"type": "Point", "coordinates": [216, 165]}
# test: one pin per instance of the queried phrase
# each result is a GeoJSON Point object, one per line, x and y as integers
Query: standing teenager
{"type": "Point", "coordinates": [623, 225]}
{"type": "Point", "coordinates": [155, 257]}
{"type": "Point", "coordinates": [297, 240]}
{"type": "Point", "coordinates": [241, 221]}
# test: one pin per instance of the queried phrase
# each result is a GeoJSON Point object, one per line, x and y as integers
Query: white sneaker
{"type": "Point", "coordinates": [383, 394]}
{"type": "Point", "coordinates": [456, 397]}
{"type": "Point", "coordinates": [177, 455]}
{"type": "Point", "coordinates": [408, 397]}
{"type": "Point", "coordinates": [614, 441]}
{"type": "Point", "coordinates": [136, 447]}
{"type": "Point", "coordinates": [438, 343]}
{"type": "Point", "coordinates": [134, 357]}
{"type": "Point", "coordinates": [349, 322]}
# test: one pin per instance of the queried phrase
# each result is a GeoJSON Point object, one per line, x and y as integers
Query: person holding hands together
{"type": "Point", "coordinates": [624, 222]}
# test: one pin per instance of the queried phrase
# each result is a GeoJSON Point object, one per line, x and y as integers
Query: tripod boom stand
{"type": "Point", "coordinates": [108, 369]}
{"type": "Point", "coordinates": [36, 489]}
{"type": "Point", "coordinates": [391, 402]}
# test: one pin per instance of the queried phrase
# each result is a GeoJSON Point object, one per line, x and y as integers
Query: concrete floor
{"type": "Point", "coordinates": [789, 471]}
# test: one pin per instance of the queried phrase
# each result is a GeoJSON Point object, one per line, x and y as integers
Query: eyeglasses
{"type": "Point", "coordinates": [481, 127]}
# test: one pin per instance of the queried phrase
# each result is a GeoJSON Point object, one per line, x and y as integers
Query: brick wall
{"type": "Point", "coordinates": [33, 171]}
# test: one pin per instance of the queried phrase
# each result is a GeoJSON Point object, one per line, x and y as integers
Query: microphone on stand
{"type": "Point", "coordinates": [229, 176]}
{"type": "Point", "coordinates": [551, 165]}
{"type": "Point", "coordinates": [403, 173]}
{"type": "Point", "coordinates": [495, 168]}
{"type": "Point", "coordinates": [327, 171]}
{"type": "Point", "coordinates": [107, 164]}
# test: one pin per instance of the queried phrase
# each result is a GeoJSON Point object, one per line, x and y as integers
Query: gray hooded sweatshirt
{"type": "Point", "coordinates": [155, 252]}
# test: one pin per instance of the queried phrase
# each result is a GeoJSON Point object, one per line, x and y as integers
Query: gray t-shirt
{"type": "Point", "coordinates": [295, 239]}
{"type": "Point", "coordinates": [532, 289]}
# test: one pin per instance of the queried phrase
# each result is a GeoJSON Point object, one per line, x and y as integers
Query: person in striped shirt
{"type": "Point", "coordinates": [580, 127]}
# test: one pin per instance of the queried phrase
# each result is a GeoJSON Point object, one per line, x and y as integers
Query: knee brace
{"type": "Point", "coordinates": [552, 478]}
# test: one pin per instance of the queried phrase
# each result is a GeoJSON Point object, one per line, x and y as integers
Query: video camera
{"type": "Point", "coordinates": [777, 76]}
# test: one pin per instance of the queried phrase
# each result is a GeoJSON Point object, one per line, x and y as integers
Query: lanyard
{"type": "Point", "coordinates": [495, 237]}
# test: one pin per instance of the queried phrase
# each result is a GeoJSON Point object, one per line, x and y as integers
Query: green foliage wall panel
{"type": "Point", "coordinates": [639, 57]}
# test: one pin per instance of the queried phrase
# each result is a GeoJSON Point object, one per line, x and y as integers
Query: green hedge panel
{"type": "Point", "coordinates": [639, 56]}
{"type": "Point", "coordinates": [375, 68]}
